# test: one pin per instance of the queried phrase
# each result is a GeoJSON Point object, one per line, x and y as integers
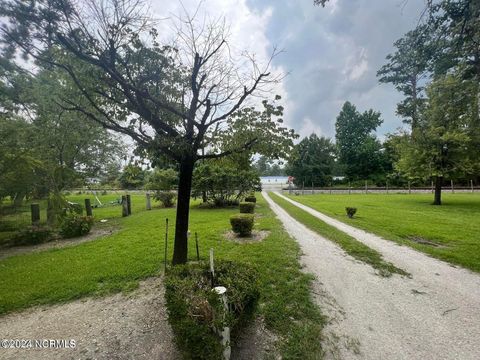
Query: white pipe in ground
{"type": "Point", "coordinates": [225, 333]}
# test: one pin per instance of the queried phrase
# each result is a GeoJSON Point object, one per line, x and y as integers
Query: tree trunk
{"type": "Point", "coordinates": [438, 190]}
{"type": "Point", "coordinates": [183, 209]}
{"type": "Point", "coordinates": [18, 200]}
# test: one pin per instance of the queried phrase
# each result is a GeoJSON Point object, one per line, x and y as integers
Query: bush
{"type": "Point", "coordinates": [32, 235]}
{"type": "Point", "coordinates": [247, 207]}
{"type": "Point", "coordinates": [242, 224]}
{"type": "Point", "coordinates": [251, 199]}
{"type": "Point", "coordinates": [196, 312]}
{"type": "Point", "coordinates": [350, 211]}
{"type": "Point", "coordinates": [220, 202]}
{"type": "Point", "coordinates": [75, 225]}
{"type": "Point", "coordinates": [167, 198]}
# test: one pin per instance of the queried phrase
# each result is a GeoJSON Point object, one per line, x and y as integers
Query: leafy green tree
{"type": "Point", "coordinates": [172, 101]}
{"type": "Point", "coordinates": [19, 162]}
{"type": "Point", "coordinates": [266, 167]}
{"type": "Point", "coordinates": [132, 177]}
{"type": "Point", "coordinates": [162, 179]}
{"type": "Point", "coordinates": [223, 183]}
{"type": "Point", "coordinates": [407, 70]}
{"type": "Point", "coordinates": [456, 31]}
{"type": "Point", "coordinates": [312, 161]}
{"type": "Point", "coordinates": [358, 148]}
{"type": "Point", "coordinates": [446, 144]}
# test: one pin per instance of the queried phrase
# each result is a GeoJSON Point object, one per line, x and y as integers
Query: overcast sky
{"type": "Point", "coordinates": [331, 54]}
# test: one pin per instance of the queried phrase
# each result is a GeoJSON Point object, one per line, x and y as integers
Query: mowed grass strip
{"type": "Point", "coordinates": [353, 247]}
{"type": "Point", "coordinates": [118, 262]}
{"type": "Point", "coordinates": [449, 232]}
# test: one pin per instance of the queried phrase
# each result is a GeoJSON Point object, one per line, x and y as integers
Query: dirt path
{"type": "Point", "coordinates": [433, 315]}
{"type": "Point", "coordinates": [131, 326]}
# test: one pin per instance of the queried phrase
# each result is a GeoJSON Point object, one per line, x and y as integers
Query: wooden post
{"type": "Point", "coordinates": [149, 203]}
{"type": "Point", "coordinates": [366, 186]}
{"type": "Point", "coordinates": [386, 184]}
{"type": "Point", "coordinates": [349, 188]}
{"type": "Point", "coordinates": [432, 186]}
{"type": "Point", "coordinates": [451, 184]}
{"type": "Point", "coordinates": [471, 185]}
{"type": "Point", "coordinates": [88, 207]}
{"type": "Point", "coordinates": [129, 204]}
{"type": "Point", "coordinates": [124, 206]}
{"type": "Point", "coordinates": [35, 209]}
{"type": "Point", "coordinates": [331, 188]}
{"type": "Point", "coordinates": [409, 188]}
{"type": "Point", "coordinates": [312, 188]}
{"type": "Point", "coordinates": [196, 245]}
{"type": "Point", "coordinates": [303, 188]}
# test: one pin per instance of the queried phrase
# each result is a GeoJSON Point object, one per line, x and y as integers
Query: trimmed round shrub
{"type": "Point", "coordinates": [75, 225]}
{"type": "Point", "coordinates": [167, 198]}
{"type": "Point", "coordinates": [251, 199]}
{"type": "Point", "coordinates": [247, 207]}
{"type": "Point", "coordinates": [242, 224]}
{"type": "Point", "coordinates": [197, 314]}
{"type": "Point", "coordinates": [32, 235]}
{"type": "Point", "coordinates": [351, 211]}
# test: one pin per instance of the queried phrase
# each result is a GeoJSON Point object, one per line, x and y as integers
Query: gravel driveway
{"type": "Point", "coordinates": [120, 326]}
{"type": "Point", "coordinates": [433, 315]}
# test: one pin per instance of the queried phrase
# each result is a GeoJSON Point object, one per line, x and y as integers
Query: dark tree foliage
{"type": "Point", "coordinates": [407, 70]}
{"type": "Point", "coordinates": [358, 149]}
{"type": "Point", "coordinates": [312, 161]}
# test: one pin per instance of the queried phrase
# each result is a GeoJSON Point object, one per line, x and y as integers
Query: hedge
{"type": "Point", "coordinates": [196, 312]}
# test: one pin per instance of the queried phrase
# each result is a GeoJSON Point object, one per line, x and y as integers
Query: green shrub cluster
{"type": "Point", "coordinates": [32, 235]}
{"type": "Point", "coordinates": [196, 312]}
{"type": "Point", "coordinates": [167, 198]}
{"type": "Point", "coordinates": [75, 225]}
{"type": "Point", "coordinates": [251, 199]}
{"type": "Point", "coordinates": [351, 211]}
{"type": "Point", "coordinates": [247, 207]}
{"type": "Point", "coordinates": [242, 224]}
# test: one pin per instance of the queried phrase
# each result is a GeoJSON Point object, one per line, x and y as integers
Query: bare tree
{"type": "Point", "coordinates": [171, 99]}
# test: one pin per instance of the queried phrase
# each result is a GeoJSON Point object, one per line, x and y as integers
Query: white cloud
{"type": "Point", "coordinates": [308, 127]}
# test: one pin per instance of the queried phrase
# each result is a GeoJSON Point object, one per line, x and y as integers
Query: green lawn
{"type": "Point", "coordinates": [11, 222]}
{"type": "Point", "coordinates": [118, 262]}
{"type": "Point", "coordinates": [454, 226]}
{"type": "Point", "coordinates": [352, 246]}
